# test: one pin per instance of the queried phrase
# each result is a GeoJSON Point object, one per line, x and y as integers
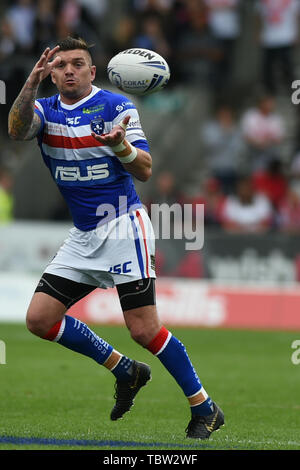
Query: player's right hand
{"type": "Point", "coordinates": [43, 67]}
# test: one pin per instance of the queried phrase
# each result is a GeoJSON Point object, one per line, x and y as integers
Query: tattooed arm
{"type": "Point", "coordinates": [23, 123]}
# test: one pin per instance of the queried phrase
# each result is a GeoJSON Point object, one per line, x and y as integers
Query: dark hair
{"type": "Point", "coordinates": [70, 43]}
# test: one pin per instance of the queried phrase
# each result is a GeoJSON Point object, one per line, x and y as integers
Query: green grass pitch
{"type": "Point", "coordinates": [47, 391]}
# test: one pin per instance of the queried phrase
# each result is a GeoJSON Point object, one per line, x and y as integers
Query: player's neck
{"type": "Point", "coordinates": [69, 100]}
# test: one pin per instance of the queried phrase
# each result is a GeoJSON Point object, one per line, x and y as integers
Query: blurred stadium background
{"type": "Point", "coordinates": [224, 133]}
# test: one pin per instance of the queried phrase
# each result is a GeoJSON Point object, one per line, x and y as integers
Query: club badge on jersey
{"type": "Point", "coordinates": [97, 126]}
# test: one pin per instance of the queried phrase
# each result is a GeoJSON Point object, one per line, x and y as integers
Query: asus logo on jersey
{"type": "Point", "coordinates": [72, 173]}
{"type": "Point", "coordinates": [73, 121]}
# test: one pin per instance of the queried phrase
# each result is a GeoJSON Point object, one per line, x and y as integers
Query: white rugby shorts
{"type": "Point", "coordinates": [119, 251]}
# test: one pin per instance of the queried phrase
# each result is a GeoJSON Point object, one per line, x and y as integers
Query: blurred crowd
{"type": "Point", "coordinates": [247, 186]}
{"type": "Point", "coordinates": [197, 37]}
{"type": "Point", "coordinates": [258, 202]}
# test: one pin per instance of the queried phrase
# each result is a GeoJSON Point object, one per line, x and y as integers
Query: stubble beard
{"type": "Point", "coordinates": [76, 93]}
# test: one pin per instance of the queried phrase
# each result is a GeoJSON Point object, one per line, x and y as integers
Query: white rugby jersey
{"type": "Point", "coordinates": [87, 173]}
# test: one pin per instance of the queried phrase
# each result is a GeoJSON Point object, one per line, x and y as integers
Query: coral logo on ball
{"type": "Point", "coordinates": [135, 83]}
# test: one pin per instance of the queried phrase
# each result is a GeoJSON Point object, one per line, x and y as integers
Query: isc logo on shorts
{"type": "Point", "coordinates": [121, 268]}
{"type": "Point", "coordinates": [72, 173]}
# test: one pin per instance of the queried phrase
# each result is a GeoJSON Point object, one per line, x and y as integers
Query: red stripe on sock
{"type": "Point", "coordinates": [158, 341]}
{"type": "Point", "coordinates": [51, 335]}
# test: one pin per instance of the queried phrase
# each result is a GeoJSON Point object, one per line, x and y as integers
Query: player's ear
{"type": "Point", "coordinates": [53, 77]}
{"type": "Point", "coordinates": [93, 72]}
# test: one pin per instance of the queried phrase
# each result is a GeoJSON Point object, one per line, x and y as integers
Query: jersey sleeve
{"type": "Point", "coordinates": [134, 132]}
{"type": "Point", "coordinates": [39, 110]}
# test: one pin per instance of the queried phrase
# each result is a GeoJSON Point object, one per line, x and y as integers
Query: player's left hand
{"type": "Point", "coordinates": [115, 136]}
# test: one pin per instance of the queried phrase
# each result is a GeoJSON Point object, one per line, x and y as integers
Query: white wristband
{"type": "Point", "coordinates": [127, 158]}
{"type": "Point", "coordinates": [132, 156]}
{"type": "Point", "coordinates": [119, 148]}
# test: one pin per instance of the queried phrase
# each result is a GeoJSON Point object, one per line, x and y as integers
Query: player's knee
{"type": "Point", "coordinates": [138, 335]}
{"type": "Point", "coordinates": [142, 335]}
{"type": "Point", "coordinates": [36, 324]}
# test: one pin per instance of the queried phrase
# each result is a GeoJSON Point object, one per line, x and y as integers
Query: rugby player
{"type": "Point", "coordinates": [92, 142]}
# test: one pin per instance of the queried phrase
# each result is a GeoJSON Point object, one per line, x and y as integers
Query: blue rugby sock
{"type": "Point", "coordinates": [172, 354]}
{"type": "Point", "coordinates": [123, 369]}
{"type": "Point", "coordinates": [203, 409]}
{"type": "Point", "coordinates": [77, 336]}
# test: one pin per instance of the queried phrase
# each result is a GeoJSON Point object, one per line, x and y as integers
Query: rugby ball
{"type": "Point", "coordinates": [138, 71]}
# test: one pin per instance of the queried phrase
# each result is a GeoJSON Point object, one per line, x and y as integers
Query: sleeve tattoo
{"type": "Point", "coordinates": [23, 123]}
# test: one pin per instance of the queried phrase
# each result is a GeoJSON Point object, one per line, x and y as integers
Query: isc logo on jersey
{"type": "Point", "coordinates": [72, 173]}
{"type": "Point", "coordinates": [73, 121]}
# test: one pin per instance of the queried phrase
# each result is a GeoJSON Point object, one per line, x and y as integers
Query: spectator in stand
{"type": "Point", "coordinates": [6, 198]}
{"type": "Point", "coordinates": [122, 35]}
{"type": "Point", "coordinates": [68, 18]}
{"type": "Point", "coordinates": [289, 212]}
{"type": "Point", "coordinates": [21, 19]}
{"type": "Point", "coordinates": [272, 182]}
{"type": "Point", "coordinates": [248, 211]}
{"type": "Point", "coordinates": [162, 9]}
{"type": "Point", "coordinates": [278, 25]}
{"type": "Point", "coordinates": [72, 20]}
{"type": "Point", "coordinates": [94, 16]}
{"type": "Point", "coordinates": [7, 40]}
{"type": "Point", "coordinates": [213, 199]}
{"type": "Point", "coordinates": [263, 130]}
{"type": "Point", "coordinates": [224, 22]}
{"type": "Point", "coordinates": [44, 25]}
{"type": "Point", "coordinates": [165, 190]}
{"type": "Point", "coordinates": [224, 147]}
{"type": "Point", "coordinates": [150, 6]}
{"type": "Point", "coordinates": [198, 51]}
{"type": "Point", "coordinates": [151, 36]}
{"type": "Point", "coordinates": [294, 172]}
{"type": "Point", "coordinates": [96, 9]}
